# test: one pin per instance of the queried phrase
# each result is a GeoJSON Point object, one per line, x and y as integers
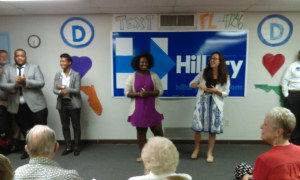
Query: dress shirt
{"type": "Point", "coordinates": [45, 169]}
{"type": "Point", "coordinates": [291, 78]}
{"type": "Point", "coordinates": [22, 99]}
{"type": "Point", "coordinates": [65, 79]}
{"type": "Point", "coordinates": [66, 82]}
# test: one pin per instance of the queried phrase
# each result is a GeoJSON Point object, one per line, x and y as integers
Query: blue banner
{"type": "Point", "coordinates": [179, 57]}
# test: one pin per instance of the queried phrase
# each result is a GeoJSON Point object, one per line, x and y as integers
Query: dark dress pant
{"type": "Point", "coordinates": [26, 119]}
{"type": "Point", "coordinates": [67, 113]}
{"type": "Point", "coordinates": [293, 103]}
{"type": "Point", "coordinates": [5, 122]}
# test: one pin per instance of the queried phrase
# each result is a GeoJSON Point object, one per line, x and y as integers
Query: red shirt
{"type": "Point", "coordinates": [279, 163]}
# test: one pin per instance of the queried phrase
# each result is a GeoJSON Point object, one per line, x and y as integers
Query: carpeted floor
{"type": "Point", "coordinates": [117, 161]}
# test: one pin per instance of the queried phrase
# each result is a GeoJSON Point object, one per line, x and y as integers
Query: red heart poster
{"type": "Point", "coordinates": [273, 63]}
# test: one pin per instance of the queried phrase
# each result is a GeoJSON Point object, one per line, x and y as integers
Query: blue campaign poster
{"type": "Point", "coordinates": [179, 57]}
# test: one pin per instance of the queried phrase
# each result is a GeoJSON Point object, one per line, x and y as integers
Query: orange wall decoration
{"type": "Point", "coordinates": [93, 98]}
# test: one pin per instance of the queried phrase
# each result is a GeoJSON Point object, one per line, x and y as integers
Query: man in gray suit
{"type": "Point", "coordinates": [24, 82]}
{"type": "Point", "coordinates": [67, 86]}
{"type": "Point", "coordinates": [4, 116]}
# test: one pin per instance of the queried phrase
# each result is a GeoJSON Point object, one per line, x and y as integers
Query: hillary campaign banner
{"type": "Point", "coordinates": [179, 57]}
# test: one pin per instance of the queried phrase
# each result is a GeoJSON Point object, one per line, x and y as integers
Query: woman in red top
{"type": "Point", "coordinates": [282, 162]}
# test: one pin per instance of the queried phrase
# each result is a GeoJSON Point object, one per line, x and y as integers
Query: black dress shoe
{"type": "Point", "coordinates": [24, 155]}
{"type": "Point", "coordinates": [76, 152]}
{"type": "Point", "coordinates": [66, 151]}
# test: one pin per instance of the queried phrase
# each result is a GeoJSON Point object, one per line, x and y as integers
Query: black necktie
{"type": "Point", "coordinates": [20, 74]}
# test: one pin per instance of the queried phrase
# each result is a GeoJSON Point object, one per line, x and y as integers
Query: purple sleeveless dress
{"type": "Point", "coordinates": [145, 114]}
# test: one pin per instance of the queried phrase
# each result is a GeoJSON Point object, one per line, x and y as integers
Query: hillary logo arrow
{"type": "Point", "coordinates": [159, 50]}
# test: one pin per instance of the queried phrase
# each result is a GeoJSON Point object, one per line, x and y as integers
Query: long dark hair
{"type": "Point", "coordinates": [222, 70]}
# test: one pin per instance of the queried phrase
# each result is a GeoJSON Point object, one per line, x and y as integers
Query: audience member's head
{"type": "Point", "coordinates": [282, 118]}
{"type": "Point", "coordinates": [6, 171]}
{"type": "Point", "coordinates": [41, 141]}
{"type": "Point", "coordinates": [160, 156]}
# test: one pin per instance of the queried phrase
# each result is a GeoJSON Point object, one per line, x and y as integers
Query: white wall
{"type": "Point", "coordinates": [244, 115]}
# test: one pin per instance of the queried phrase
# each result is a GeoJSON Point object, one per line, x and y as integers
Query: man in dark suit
{"type": "Point", "coordinates": [24, 82]}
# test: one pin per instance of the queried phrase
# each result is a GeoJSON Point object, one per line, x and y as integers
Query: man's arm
{"type": "Point", "coordinates": [5, 83]}
{"type": "Point", "coordinates": [34, 78]}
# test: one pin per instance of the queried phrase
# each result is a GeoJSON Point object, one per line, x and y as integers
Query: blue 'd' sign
{"type": "Point", "coordinates": [179, 57]}
{"type": "Point", "coordinates": [77, 32]}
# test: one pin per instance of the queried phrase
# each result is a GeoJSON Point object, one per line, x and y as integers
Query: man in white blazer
{"type": "Point", "coordinates": [24, 82]}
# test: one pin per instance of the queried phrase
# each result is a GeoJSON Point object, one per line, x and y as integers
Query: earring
{"type": "Point", "coordinates": [276, 140]}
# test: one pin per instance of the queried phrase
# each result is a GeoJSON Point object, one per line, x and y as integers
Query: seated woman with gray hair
{"type": "Point", "coordinates": [160, 157]}
{"type": "Point", "coordinates": [282, 161]}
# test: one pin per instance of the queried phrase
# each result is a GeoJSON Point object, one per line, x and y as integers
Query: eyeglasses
{"type": "Point", "coordinates": [215, 59]}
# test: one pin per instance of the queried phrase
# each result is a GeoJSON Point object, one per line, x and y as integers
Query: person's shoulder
{"type": "Point", "coordinates": [296, 147]}
{"type": "Point", "coordinates": [20, 168]}
{"type": "Point", "coordinates": [153, 74]}
{"type": "Point", "coordinates": [58, 73]}
{"type": "Point", "coordinates": [200, 74]}
{"type": "Point", "coordinates": [75, 72]}
{"type": "Point", "coordinates": [131, 76]}
{"type": "Point", "coordinates": [265, 155]}
{"type": "Point", "coordinates": [19, 172]}
{"type": "Point", "coordinates": [9, 66]}
{"type": "Point", "coordinates": [295, 63]}
{"type": "Point", "coordinates": [184, 175]}
{"type": "Point", "coordinates": [68, 174]}
{"type": "Point", "coordinates": [138, 178]}
{"type": "Point", "coordinates": [33, 66]}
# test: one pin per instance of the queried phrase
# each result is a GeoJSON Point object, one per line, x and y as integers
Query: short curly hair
{"type": "Point", "coordinates": [135, 62]}
{"type": "Point", "coordinates": [282, 118]}
{"type": "Point", "coordinates": [160, 156]}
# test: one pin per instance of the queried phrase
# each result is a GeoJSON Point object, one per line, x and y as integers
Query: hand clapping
{"type": "Point", "coordinates": [20, 81]}
{"type": "Point", "coordinates": [144, 93]}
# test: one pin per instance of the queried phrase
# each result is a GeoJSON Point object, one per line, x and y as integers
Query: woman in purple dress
{"type": "Point", "coordinates": [144, 87]}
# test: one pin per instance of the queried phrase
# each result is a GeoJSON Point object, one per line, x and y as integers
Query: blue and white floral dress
{"type": "Point", "coordinates": [208, 112]}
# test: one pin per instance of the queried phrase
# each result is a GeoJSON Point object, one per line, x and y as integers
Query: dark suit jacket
{"type": "Point", "coordinates": [32, 91]}
{"type": "Point", "coordinates": [74, 88]}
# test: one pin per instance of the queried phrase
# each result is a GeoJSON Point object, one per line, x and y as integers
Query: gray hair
{"type": "Point", "coordinates": [282, 118]}
{"type": "Point", "coordinates": [3, 51]}
{"type": "Point", "coordinates": [40, 140]}
{"type": "Point", "coordinates": [6, 170]}
{"type": "Point", "coordinates": [160, 155]}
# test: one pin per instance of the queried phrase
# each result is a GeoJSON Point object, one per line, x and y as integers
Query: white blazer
{"type": "Point", "coordinates": [129, 87]}
{"type": "Point", "coordinates": [219, 100]}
